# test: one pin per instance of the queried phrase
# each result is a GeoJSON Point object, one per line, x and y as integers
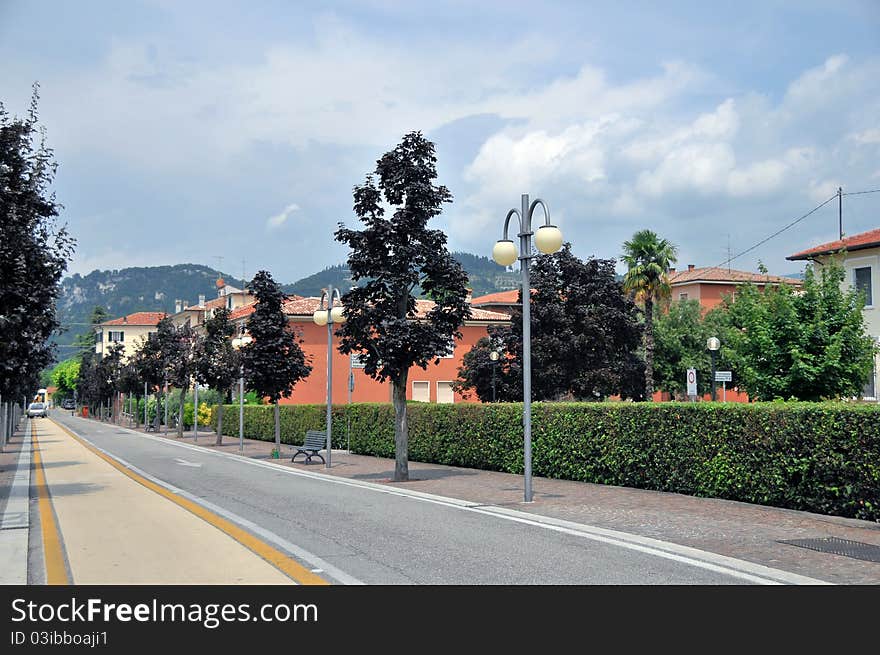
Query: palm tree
{"type": "Point", "coordinates": [648, 258]}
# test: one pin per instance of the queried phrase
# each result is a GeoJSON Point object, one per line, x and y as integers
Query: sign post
{"type": "Point", "coordinates": [692, 384]}
{"type": "Point", "coordinates": [723, 377]}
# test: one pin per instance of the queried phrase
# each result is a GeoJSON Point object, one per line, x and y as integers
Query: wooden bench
{"type": "Point", "coordinates": [315, 440]}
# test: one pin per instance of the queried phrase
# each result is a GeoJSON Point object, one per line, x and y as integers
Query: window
{"type": "Point", "coordinates": [115, 337]}
{"type": "Point", "coordinates": [228, 302]}
{"type": "Point", "coordinates": [422, 392]}
{"type": "Point", "coordinates": [682, 296]}
{"type": "Point", "coordinates": [870, 390]}
{"type": "Point", "coordinates": [863, 283]}
{"type": "Point", "coordinates": [444, 392]}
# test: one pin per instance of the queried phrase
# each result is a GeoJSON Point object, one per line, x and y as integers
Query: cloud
{"type": "Point", "coordinates": [276, 221]}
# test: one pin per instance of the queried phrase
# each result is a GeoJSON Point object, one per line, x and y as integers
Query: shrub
{"type": "Point", "coordinates": [818, 457]}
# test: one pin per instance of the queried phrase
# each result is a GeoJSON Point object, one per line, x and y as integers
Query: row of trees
{"type": "Point", "coordinates": [34, 251]}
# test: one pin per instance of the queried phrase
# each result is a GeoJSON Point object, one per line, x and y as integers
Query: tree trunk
{"type": "Point", "coordinates": [220, 423]}
{"type": "Point", "coordinates": [401, 431]}
{"type": "Point", "coordinates": [649, 349]}
{"type": "Point", "coordinates": [180, 416]}
{"type": "Point", "coordinates": [277, 429]}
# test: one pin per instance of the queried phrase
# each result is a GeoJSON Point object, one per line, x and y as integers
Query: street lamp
{"type": "Point", "coordinates": [548, 239]}
{"type": "Point", "coordinates": [494, 355]}
{"type": "Point", "coordinates": [238, 343]}
{"type": "Point", "coordinates": [328, 316]}
{"type": "Point", "coordinates": [713, 344]}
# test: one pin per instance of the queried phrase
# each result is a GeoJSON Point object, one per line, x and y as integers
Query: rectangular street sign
{"type": "Point", "coordinates": [692, 381]}
{"type": "Point", "coordinates": [723, 376]}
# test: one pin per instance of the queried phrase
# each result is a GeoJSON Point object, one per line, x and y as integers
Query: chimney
{"type": "Point", "coordinates": [470, 293]}
{"type": "Point", "coordinates": [690, 267]}
{"type": "Point", "coordinates": [672, 271]}
{"type": "Point", "coordinates": [178, 306]}
{"type": "Point", "coordinates": [201, 300]}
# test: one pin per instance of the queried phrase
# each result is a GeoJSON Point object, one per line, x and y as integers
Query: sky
{"type": "Point", "coordinates": [232, 134]}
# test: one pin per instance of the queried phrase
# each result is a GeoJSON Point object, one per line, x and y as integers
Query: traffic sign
{"type": "Point", "coordinates": [692, 381]}
{"type": "Point", "coordinates": [723, 376]}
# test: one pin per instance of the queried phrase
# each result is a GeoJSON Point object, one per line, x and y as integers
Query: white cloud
{"type": "Point", "coordinates": [276, 221]}
{"type": "Point", "coordinates": [869, 136]}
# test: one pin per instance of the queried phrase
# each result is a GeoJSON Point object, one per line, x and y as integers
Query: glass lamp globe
{"type": "Point", "coordinates": [548, 239]}
{"type": "Point", "coordinates": [504, 252]}
{"type": "Point", "coordinates": [494, 355]}
{"type": "Point", "coordinates": [336, 314]}
{"type": "Point", "coordinates": [712, 343]}
{"type": "Point", "coordinates": [320, 317]}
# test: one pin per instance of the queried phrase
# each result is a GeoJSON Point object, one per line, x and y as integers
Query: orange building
{"type": "Point", "coordinates": [711, 284]}
{"type": "Point", "coordinates": [433, 384]}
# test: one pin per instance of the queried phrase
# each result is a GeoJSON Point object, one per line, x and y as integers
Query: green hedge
{"type": "Point", "coordinates": [818, 457]}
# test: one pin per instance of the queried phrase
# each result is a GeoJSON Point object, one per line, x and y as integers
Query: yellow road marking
{"type": "Point", "coordinates": [53, 551]}
{"type": "Point", "coordinates": [275, 557]}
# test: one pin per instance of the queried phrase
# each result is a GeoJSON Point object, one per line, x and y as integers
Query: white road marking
{"type": "Point", "coordinates": [183, 462]}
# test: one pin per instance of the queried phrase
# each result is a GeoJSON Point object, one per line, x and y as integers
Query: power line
{"type": "Point", "coordinates": [778, 232]}
{"type": "Point", "coordinates": [859, 193]}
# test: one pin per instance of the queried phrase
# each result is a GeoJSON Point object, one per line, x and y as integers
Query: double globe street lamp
{"type": "Point", "coordinates": [712, 345]}
{"type": "Point", "coordinates": [548, 240]}
{"type": "Point", "coordinates": [327, 314]}
{"type": "Point", "coordinates": [238, 343]}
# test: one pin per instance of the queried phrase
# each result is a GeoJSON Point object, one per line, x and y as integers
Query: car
{"type": "Point", "coordinates": [68, 404]}
{"type": "Point", "coordinates": [36, 409]}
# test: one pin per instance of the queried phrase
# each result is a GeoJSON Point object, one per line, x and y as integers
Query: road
{"type": "Point", "coordinates": [133, 508]}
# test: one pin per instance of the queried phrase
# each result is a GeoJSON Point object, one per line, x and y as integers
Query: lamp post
{"type": "Point", "coordinates": [548, 239]}
{"type": "Point", "coordinates": [238, 343]}
{"type": "Point", "coordinates": [713, 344]}
{"type": "Point", "coordinates": [494, 355]}
{"type": "Point", "coordinates": [328, 316]}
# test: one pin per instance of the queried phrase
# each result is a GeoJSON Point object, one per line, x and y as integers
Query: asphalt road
{"type": "Point", "coordinates": [352, 533]}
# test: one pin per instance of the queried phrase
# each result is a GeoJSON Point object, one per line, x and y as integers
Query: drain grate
{"type": "Point", "coordinates": [838, 546]}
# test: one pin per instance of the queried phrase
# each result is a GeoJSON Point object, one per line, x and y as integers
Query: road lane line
{"type": "Point", "coordinates": [743, 569]}
{"type": "Point", "coordinates": [53, 550]}
{"type": "Point", "coordinates": [275, 557]}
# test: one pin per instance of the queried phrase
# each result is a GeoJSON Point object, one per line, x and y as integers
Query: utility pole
{"type": "Point", "coordinates": [840, 211]}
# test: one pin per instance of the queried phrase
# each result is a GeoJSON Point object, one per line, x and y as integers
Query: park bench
{"type": "Point", "coordinates": [315, 440]}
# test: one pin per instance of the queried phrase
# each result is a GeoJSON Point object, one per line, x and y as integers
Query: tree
{"type": "Point", "coordinates": [217, 361]}
{"type": "Point", "coordinates": [807, 345]}
{"type": "Point", "coordinates": [274, 361]}
{"type": "Point", "coordinates": [648, 257]}
{"type": "Point", "coordinates": [34, 251]}
{"type": "Point", "coordinates": [392, 257]}
{"type": "Point", "coordinates": [87, 340]}
{"type": "Point", "coordinates": [149, 367]}
{"type": "Point", "coordinates": [680, 336]}
{"type": "Point", "coordinates": [175, 345]}
{"type": "Point", "coordinates": [64, 376]}
{"type": "Point", "coordinates": [584, 331]}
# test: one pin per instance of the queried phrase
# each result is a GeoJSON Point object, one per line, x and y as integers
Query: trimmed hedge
{"type": "Point", "coordinates": [818, 457]}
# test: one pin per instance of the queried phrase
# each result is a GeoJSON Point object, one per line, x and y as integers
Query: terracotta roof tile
{"type": "Point", "coordinates": [498, 298]}
{"type": "Point", "coordinates": [308, 306]}
{"type": "Point", "coordinates": [859, 241]}
{"type": "Point", "coordinates": [138, 318]}
{"type": "Point", "coordinates": [717, 274]}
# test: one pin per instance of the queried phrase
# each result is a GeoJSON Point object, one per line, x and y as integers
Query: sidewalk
{"type": "Point", "coordinates": [15, 465]}
{"type": "Point", "coordinates": [734, 529]}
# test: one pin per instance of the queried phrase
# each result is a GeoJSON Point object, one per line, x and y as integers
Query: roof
{"type": "Point", "coordinates": [497, 298]}
{"type": "Point", "coordinates": [138, 318]}
{"type": "Point", "coordinates": [732, 276]}
{"type": "Point", "coordinates": [870, 239]}
{"type": "Point", "coordinates": [308, 306]}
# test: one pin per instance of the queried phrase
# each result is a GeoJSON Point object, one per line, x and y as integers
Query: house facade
{"type": "Point", "coordinates": [710, 285]}
{"type": "Point", "coordinates": [130, 331]}
{"type": "Point", "coordinates": [860, 257]}
{"type": "Point", "coordinates": [433, 384]}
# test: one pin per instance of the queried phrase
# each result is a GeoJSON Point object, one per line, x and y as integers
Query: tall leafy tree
{"type": "Point", "coordinates": [34, 251]}
{"type": "Point", "coordinates": [809, 345]}
{"type": "Point", "coordinates": [680, 335]}
{"type": "Point", "coordinates": [217, 361]}
{"type": "Point", "coordinates": [648, 258]}
{"type": "Point", "coordinates": [393, 257]}
{"type": "Point", "coordinates": [64, 376]}
{"type": "Point", "coordinates": [585, 333]}
{"type": "Point", "coordinates": [149, 367]}
{"type": "Point", "coordinates": [176, 344]}
{"type": "Point", "coordinates": [86, 341]}
{"type": "Point", "coordinates": [274, 361]}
